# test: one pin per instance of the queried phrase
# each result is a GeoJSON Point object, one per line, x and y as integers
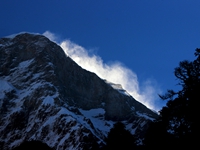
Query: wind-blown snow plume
{"type": "Point", "coordinates": [115, 72]}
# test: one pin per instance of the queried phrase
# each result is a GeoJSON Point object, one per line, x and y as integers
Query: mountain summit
{"type": "Point", "coordinates": [46, 96]}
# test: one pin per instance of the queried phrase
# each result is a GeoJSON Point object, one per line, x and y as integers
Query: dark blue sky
{"type": "Point", "coordinates": [148, 37]}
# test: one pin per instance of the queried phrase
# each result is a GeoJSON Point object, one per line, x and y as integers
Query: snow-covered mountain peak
{"type": "Point", "coordinates": [45, 95]}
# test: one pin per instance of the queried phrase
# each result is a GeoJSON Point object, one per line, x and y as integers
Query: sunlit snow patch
{"type": "Point", "coordinates": [145, 116]}
{"type": "Point", "coordinates": [97, 118]}
{"type": "Point", "coordinates": [5, 87]}
{"type": "Point", "coordinates": [48, 100]}
{"type": "Point", "coordinates": [25, 64]}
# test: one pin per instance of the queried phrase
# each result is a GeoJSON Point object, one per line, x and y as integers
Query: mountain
{"type": "Point", "coordinates": [46, 96]}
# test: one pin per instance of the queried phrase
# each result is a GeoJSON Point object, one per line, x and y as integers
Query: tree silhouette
{"type": "Point", "coordinates": [120, 138]}
{"type": "Point", "coordinates": [35, 145]}
{"type": "Point", "coordinates": [178, 125]}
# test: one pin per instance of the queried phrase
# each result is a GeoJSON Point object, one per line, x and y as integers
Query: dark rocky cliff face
{"type": "Point", "coordinates": [45, 94]}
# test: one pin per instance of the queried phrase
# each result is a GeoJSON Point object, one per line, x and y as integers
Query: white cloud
{"type": "Point", "coordinates": [50, 35]}
{"type": "Point", "coordinates": [115, 72]}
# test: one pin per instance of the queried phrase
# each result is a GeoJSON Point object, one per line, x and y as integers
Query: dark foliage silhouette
{"type": "Point", "coordinates": [120, 138]}
{"type": "Point", "coordinates": [178, 125]}
{"type": "Point", "coordinates": [35, 145]}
